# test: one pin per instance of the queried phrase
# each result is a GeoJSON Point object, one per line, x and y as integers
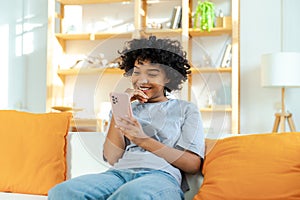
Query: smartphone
{"type": "Point", "coordinates": [120, 104]}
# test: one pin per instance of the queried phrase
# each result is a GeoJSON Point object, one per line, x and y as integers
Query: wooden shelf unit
{"type": "Point", "coordinates": [226, 109]}
{"type": "Point", "coordinates": [232, 30]}
{"type": "Point", "coordinates": [91, 36]}
{"type": "Point", "coordinates": [186, 33]}
{"type": "Point", "coordinates": [211, 70]}
{"type": "Point", "coordinates": [196, 32]}
{"type": "Point", "coordinates": [62, 73]}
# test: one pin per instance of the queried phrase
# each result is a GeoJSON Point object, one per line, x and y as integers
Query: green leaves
{"type": "Point", "coordinates": [205, 12]}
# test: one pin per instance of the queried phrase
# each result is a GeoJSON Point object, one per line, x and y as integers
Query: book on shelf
{"type": "Point", "coordinates": [226, 59]}
{"type": "Point", "coordinates": [176, 17]}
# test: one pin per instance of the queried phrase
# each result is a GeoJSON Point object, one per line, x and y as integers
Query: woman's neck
{"type": "Point", "coordinates": [158, 99]}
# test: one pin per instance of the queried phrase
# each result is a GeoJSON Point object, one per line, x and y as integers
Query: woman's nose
{"type": "Point", "coordinates": [142, 80]}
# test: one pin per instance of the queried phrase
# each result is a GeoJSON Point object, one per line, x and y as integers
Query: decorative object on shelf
{"type": "Point", "coordinates": [219, 19]}
{"type": "Point", "coordinates": [222, 21]}
{"type": "Point", "coordinates": [211, 99]}
{"type": "Point", "coordinates": [205, 12]}
{"type": "Point", "coordinates": [281, 70]}
{"type": "Point", "coordinates": [154, 25]}
{"type": "Point", "coordinates": [227, 22]}
{"type": "Point", "coordinates": [218, 99]}
{"type": "Point", "coordinates": [66, 109]}
{"type": "Point", "coordinates": [91, 62]}
{"type": "Point", "coordinates": [115, 63]}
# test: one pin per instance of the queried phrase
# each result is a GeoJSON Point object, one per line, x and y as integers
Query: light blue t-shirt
{"type": "Point", "coordinates": [175, 123]}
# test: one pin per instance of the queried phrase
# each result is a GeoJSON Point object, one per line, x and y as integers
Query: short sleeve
{"type": "Point", "coordinates": [192, 134]}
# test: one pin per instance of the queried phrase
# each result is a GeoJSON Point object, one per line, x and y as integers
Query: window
{"type": "Point", "coordinates": [4, 49]}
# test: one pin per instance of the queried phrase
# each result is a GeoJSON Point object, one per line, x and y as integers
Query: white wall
{"type": "Point", "coordinates": [37, 60]}
{"type": "Point", "coordinates": [26, 53]}
{"type": "Point", "coordinates": [292, 43]}
{"type": "Point", "coordinates": [12, 65]}
{"type": "Point", "coordinates": [260, 34]}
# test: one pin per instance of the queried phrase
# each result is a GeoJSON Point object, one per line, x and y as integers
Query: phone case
{"type": "Point", "coordinates": [120, 103]}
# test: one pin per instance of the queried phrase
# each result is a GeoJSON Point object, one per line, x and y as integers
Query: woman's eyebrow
{"type": "Point", "coordinates": [153, 70]}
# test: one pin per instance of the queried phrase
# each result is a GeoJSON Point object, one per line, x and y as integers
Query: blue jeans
{"type": "Point", "coordinates": [114, 184]}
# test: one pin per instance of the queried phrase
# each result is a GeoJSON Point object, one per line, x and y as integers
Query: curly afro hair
{"type": "Point", "coordinates": [166, 52]}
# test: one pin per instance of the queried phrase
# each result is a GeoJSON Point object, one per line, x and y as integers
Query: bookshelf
{"type": "Point", "coordinates": [216, 80]}
{"type": "Point", "coordinates": [149, 18]}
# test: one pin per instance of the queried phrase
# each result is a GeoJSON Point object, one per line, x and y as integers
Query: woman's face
{"type": "Point", "coordinates": [151, 79]}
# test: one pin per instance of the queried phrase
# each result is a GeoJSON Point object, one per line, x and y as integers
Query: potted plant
{"type": "Point", "coordinates": [205, 13]}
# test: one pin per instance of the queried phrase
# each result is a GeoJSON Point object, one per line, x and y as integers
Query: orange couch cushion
{"type": "Point", "coordinates": [32, 151]}
{"type": "Point", "coordinates": [250, 167]}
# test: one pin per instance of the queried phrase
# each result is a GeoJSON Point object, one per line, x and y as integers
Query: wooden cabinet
{"type": "Point", "coordinates": [213, 88]}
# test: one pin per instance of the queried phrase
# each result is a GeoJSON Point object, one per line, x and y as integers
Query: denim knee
{"type": "Point", "coordinates": [55, 193]}
{"type": "Point", "coordinates": [63, 191]}
{"type": "Point", "coordinates": [148, 188]}
{"type": "Point", "coordinates": [134, 193]}
{"type": "Point", "coordinates": [131, 192]}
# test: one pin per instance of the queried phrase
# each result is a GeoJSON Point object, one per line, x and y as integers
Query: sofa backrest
{"type": "Point", "coordinates": [84, 153]}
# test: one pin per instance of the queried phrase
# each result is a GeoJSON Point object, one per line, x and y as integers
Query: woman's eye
{"type": "Point", "coordinates": [152, 75]}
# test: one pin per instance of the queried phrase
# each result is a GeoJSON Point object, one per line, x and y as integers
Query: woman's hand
{"type": "Point", "coordinates": [185, 160]}
{"type": "Point", "coordinates": [136, 94]}
{"type": "Point", "coordinates": [131, 129]}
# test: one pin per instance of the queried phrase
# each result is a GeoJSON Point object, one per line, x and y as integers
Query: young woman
{"type": "Point", "coordinates": [164, 139]}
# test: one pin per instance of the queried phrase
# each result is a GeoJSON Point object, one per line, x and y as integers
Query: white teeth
{"type": "Point", "coordinates": [142, 88]}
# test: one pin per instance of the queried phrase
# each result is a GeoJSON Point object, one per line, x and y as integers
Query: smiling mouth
{"type": "Point", "coordinates": [144, 88]}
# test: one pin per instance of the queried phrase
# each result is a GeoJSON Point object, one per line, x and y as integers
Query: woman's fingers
{"type": "Point", "coordinates": [128, 124]}
{"type": "Point", "coordinates": [125, 122]}
{"type": "Point", "coordinates": [136, 94]}
{"type": "Point", "coordinates": [141, 94]}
